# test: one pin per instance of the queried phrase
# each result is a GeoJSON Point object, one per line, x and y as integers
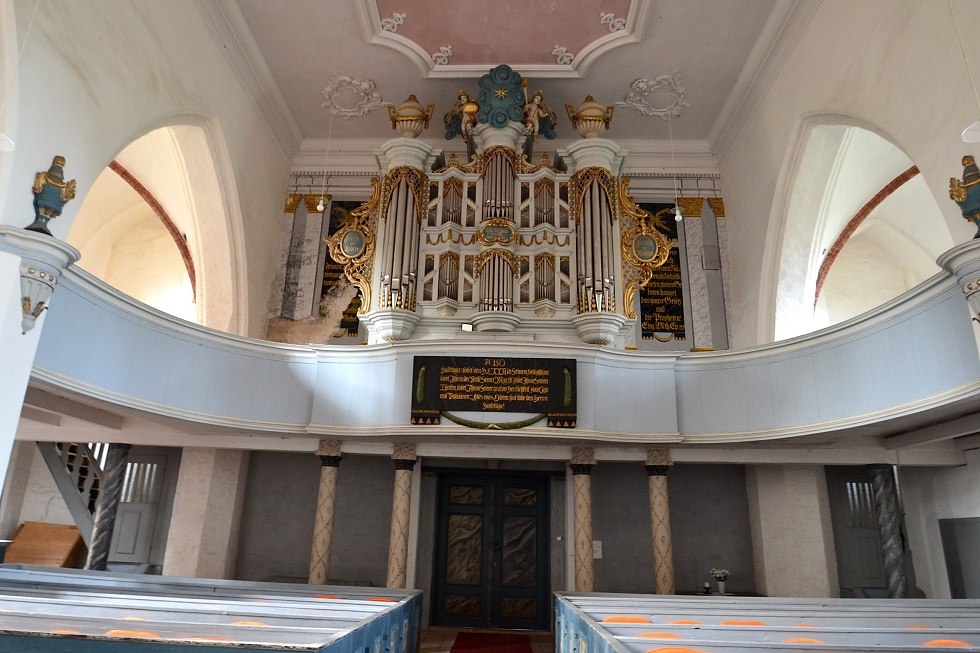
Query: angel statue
{"type": "Point", "coordinates": [538, 118]}
{"type": "Point", "coordinates": [461, 119]}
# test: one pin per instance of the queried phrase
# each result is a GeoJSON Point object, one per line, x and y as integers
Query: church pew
{"type": "Point", "coordinates": [50, 611]}
{"type": "Point", "coordinates": [606, 623]}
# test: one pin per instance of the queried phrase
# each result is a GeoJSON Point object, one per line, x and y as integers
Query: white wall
{"type": "Point", "coordinates": [96, 76]}
{"type": "Point", "coordinates": [930, 494]}
{"type": "Point", "coordinates": [884, 64]}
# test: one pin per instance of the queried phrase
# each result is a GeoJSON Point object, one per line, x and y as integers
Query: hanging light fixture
{"type": "Point", "coordinates": [972, 133]}
{"type": "Point", "coordinates": [326, 158]}
{"type": "Point", "coordinates": [7, 143]}
{"type": "Point", "coordinates": [673, 169]}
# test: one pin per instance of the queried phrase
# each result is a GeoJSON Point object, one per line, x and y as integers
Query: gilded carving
{"type": "Point", "coordinates": [644, 246]}
{"type": "Point", "coordinates": [717, 205]}
{"type": "Point", "coordinates": [417, 182]}
{"type": "Point", "coordinates": [582, 180]}
{"type": "Point", "coordinates": [513, 261]}
{"type": "Point", "coordinates": [690, 206]}
{"type": "Point", "coordinates": [353, 246]}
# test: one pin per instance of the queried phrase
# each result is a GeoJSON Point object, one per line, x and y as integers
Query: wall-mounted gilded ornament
{"type": "Point", "coordinates": [353, 246]}
{"type": "Point", "coordinates": [644, 246]}
{"type": "Point", "coordinates": [497, 231]}
{"type": "Point", "coordinates": [966, 193]}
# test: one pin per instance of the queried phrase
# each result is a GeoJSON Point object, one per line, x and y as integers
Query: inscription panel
{"type": "Point", "coordinates": [501, 385]}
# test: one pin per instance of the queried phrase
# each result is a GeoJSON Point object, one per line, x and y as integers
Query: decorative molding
{"type": "Point", "coordinates": [562, 56]}
{"type": "Point", "coordinates": [633, 31]}
{"type": "Point", "coordinates": [638, 98]}
{"type": "Point", "coordinates": [615, 24]}
{"type": "Point", "coordinates": [441, 58]}
{"type": "Point", "coordinates": [391, 24]}
{"type": "Point", "coordinates": [364, 88]}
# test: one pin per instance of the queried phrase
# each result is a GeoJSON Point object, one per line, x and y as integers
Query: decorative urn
{"type": "Point", "coordinates": [591, 119]}
{"type": "Point", "coordinates": [966, 192]}
{"type": "Point", "coordinates": [410, 118]}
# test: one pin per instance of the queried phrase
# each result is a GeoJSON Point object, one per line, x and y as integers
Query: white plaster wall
{"type": "Point", "coordinates": [882, 63]}
{"type": "Point", "coordinates": [42, 499]}
{"type": "Point", "coordinates": [930, 494]}
{"type": "Point", "coordinates": [96, 76]}
{"type": "Point", "coordinates": [792, 535]}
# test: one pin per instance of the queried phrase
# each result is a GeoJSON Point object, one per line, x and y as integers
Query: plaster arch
{"type": "Point", "coordinates": [176, 172]}
{"type": "Point", "coordinates": [824, 215]}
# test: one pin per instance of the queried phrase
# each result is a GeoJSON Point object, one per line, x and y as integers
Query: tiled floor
{"type": "Point", "coordinates": [440, 640]}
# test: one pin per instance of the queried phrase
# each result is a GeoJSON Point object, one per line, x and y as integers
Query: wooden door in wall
{"type": "Point", "coordinates": [491, 553]}
{"type": "Point", "coordinates": [856, 539]}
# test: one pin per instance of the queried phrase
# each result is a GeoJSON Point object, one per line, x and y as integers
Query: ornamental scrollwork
{"type": "Point", "coordinates": [639, 97]}
{"type": "Point", "coordinates": [582, 180]}
{"type": "Point", "coordinates": [344, 85]}
{"type": "Point", "coordinates": [417, 182]}
{"type": "Point", "coordinates": [353, 246]}
{"type": "Point", "coordinates": [644, 246]}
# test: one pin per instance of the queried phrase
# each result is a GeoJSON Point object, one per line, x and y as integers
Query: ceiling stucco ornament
{"type": "Point", "coordinates": [347, 97]}
{"type": "Point", "coordinates": [615, 24]}
{"type": "Point", "coordinates": [391, 24]}
{"type": "Point", "coordinates": [441, 58]}
{"type": "Point", "coordinates": [562, 56]}
{"type": "Point", "coordinates": [643, 91]}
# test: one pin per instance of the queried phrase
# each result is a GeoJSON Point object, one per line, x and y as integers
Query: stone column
{"type": "Point", "coordinates": [658, 464]}
{"type": "Point", "coordinates": [329, 452]}
{"type": "Point", "coordinates": [890, 529]}
{"type": "Point", "coordinates": [404, 457]}
{"type": "Point", "coordinates": [106, 505]}
{"type": "Point", "coordinates": [583, 459]}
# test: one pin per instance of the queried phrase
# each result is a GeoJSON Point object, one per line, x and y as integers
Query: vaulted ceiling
{"type": "Point", "coordinates": [694, 57]}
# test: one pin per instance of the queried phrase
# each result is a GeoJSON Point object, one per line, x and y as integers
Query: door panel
{"type": "Point", "coordinates": [491, 566]}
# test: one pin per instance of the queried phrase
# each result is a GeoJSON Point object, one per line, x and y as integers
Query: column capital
{"type": "Point", "coordinates": [659, 456]}
{"type": "Point", "coordinates": [329, 448]}
{"type": "Point", "coordinates": [583, 456]}
{"type": "Point", "coordinates": [403, 451]}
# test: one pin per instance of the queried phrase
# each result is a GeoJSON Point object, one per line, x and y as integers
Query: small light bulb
{"type": "Point", "coordinates": [677, 214]}
{"type": "Point", "coordinates": [319, 206]}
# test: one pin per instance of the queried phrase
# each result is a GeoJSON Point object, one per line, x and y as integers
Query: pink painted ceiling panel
{"type": "Point", "coordinates": [503, 31]}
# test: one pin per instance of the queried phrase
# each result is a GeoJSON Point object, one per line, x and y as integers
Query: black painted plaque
{"type": "Point", "coordinates": [494, 385]}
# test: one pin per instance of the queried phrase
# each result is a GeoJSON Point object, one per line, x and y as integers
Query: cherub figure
{"type": "Point", "coordinates": [538, 118]}
{"type": "Point", "coordinates": [461, 118]}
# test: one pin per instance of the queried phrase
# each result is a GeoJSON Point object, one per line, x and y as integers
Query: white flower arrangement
{"type": "Point", "coordinates": [720, 574]}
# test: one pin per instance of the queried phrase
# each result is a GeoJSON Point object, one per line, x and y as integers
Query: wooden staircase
{"type": "Point", "coordinates": [77, 471]}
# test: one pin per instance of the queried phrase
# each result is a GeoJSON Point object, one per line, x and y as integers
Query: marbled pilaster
{"type": "Point", "coordinates": [583, 459]}
{"type": "Point", "coordinates": [404, 457]}
{"type": "Point", "coordinates": [329, 452]}
{"type": "Point", "coordinates": [658, 464]}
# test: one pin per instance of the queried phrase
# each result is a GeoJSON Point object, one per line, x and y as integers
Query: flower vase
{"type": "Point", "coordinates": [721, 587]}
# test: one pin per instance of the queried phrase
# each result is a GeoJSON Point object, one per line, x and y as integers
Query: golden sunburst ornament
{"type": "Point", "coordinates": [501, 93]}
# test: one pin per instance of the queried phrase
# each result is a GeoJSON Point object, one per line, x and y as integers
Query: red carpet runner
{"type": "Point", "coordinates": [467, 642]}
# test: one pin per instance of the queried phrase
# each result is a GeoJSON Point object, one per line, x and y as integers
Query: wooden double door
{"type": "Point", "coordinates": [491, 555]}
